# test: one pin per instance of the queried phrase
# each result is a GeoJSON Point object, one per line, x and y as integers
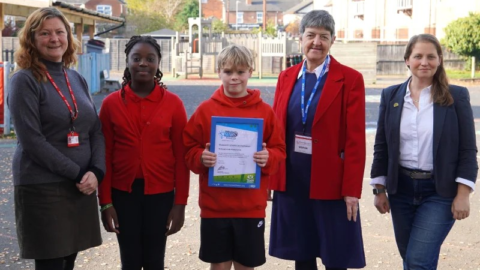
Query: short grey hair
{"type": "Point", "coordinates": [318, 18]}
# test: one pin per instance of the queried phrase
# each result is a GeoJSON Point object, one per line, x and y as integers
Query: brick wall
{"type": "Point", "coordinates": [213, 8]}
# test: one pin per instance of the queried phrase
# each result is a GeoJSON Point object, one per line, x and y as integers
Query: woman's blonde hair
{"type": "Point", "coordinates": [236, 55]}
{"type": "Point", "coordinates": [28, 57]}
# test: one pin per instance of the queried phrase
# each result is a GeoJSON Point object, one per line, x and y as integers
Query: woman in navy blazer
{"type": "Point", "coordinates": [424, 155]}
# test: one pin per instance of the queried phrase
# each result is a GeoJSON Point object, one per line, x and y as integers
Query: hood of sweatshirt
{"type": "Point", "coordinates": [252, 99]}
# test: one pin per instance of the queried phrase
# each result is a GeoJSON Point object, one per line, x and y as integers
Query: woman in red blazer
{"type": "Point", "coordinates": [315, 206]}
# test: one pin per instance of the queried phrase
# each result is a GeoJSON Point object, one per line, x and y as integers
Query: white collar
{"type": "Point", "coordinates": [317, 70]}
{"type": "Point", "coordinates": [425, 91]}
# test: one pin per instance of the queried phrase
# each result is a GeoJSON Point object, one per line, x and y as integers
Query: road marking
{"type": "Point", "coordinates": [10, 145]}
{"type": "Point", "coordinates": [372, 98]}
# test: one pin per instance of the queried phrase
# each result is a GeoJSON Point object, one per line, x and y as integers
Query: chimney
{"type": "Point", "coordinates": [249, 2]}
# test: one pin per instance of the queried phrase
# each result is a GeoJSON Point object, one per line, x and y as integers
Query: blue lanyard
{"type": "Point", "coordinates": [305, 109]}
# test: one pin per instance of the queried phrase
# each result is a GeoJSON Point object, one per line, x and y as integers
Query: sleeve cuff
{"type": "Point", "coordinates": [466, 182]}
{"type": "Point", "coordinates": [379, 180]}
{"type": "Point", "coordinates": [99, 174]}
{"type": "Point", "coordinates": [81, 173]}
{"type": "Point", "coordinates": [181, 199]}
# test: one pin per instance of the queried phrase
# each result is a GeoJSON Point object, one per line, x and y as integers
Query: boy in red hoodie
{"type": "Point", "coordinates": [233, 219]}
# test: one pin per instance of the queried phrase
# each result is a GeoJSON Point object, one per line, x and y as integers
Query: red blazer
{"type": "Point", "coordinates": [338, 134]}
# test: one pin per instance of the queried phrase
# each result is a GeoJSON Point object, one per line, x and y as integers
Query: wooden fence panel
{"type": "Point", "coordinates": [390, 60]}
{"type": "Point", "coordinates": [359, 56]}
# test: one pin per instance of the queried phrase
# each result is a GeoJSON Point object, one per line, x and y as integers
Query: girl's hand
{"type": "Point", "coordinates": [110, 220]}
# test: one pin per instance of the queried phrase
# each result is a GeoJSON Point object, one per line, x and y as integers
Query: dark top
{"type": "Point", "coordinates": [299, 164]}
{"type": "Point", "coordinates": [42, 122]}
{"type": "Point", "coordinates": [454, 143]}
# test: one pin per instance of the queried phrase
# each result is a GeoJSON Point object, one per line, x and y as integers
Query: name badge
{"type": "Point", "coordinates": [303, 144]}
{"type": "Point", "coordinates": [72, 139]}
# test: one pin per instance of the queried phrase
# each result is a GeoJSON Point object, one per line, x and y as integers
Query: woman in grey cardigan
{"type": "Point", "coordinates": [60, 157]}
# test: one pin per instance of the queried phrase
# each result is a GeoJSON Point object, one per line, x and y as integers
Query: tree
{"type": "Point", "coordinates": [166, 9]}
{"type": "Point", "coordinates": [293, 28]}
{"type": "Point", "coordinates": [219, 26]}
{"type": "Point", "coordinates": [270, 30]}
{"type": "Point", "coordinates": [462, 37]}
{"type": "Point", "coordinates": [190, 10]}
{"type": "Point", "coordinates": [143, 22]}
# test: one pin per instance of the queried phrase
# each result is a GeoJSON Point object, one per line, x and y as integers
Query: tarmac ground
{"type": "Point", "coordinates": [461, 250]}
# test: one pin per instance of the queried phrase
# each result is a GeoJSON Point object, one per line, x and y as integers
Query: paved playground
{"type": "Point", "coordinates": [461, 250]}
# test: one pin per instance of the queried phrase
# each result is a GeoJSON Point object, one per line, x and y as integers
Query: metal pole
{"type": "Point", "coordinates": [200, 30]}
{"type": "Point", "coordinates": [236, 16]}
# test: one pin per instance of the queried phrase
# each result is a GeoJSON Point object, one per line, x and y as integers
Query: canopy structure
{"type": "Point", "coordinates": [80, 17]}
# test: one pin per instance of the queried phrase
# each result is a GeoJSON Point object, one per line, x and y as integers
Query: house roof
{"type": "Point", "coordinates": [75, 2]}
{"type": "Point", "coordinates": [300, 8]}
{"type": "Point", "coordinates": [257, 5]}
{"type": "Point", "coordinates": [70, 8]}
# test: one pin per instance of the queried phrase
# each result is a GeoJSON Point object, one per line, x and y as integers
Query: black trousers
{"type": "Point", "coordinates": [65, 263]}
{"type": "Point", "coordinates": [142, 223]}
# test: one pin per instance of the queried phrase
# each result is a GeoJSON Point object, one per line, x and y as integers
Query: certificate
{"type": "Point", "coordinates": [235, 140]}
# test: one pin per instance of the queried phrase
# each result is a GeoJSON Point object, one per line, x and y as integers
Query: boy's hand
{"type": "Point", "coordinates": [208, 158]}
{"type": "Point", "coordinates": [261, 157]}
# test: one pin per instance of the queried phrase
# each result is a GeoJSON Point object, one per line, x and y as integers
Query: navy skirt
{"type": "Point", "coordinates": [303, 229]}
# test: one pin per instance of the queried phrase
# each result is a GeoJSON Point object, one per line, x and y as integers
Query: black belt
{"type": "Point", "coordinates": [416, 174]}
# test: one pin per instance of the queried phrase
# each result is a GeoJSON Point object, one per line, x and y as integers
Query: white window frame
{"type": "Point", "coordinates": [239, 17]}
{"type": "Point", "coordinates": [259, 17]}
{"type": "Point", "coordinates": [104, 8]}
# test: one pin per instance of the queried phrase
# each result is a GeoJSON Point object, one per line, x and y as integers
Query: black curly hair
{"type": "Point", "coordinates": [127, 77]}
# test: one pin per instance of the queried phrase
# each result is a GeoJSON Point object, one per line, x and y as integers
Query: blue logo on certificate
{"type": "Point", "coordinates": [235, 140]}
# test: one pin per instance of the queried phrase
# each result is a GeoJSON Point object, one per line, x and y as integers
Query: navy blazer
{"type": "Point", "coordinates": [454, 142]}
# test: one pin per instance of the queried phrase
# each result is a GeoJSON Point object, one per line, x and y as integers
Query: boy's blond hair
{"type": "Point", "coordinates": [235, 55]}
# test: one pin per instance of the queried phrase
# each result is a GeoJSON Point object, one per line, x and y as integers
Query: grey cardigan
{"type": "Point", "coordinates": [42, 122]}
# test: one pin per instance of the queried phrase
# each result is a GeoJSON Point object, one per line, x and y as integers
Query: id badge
{"type": "Point", "coordinates": [303, 144]}
{"type": "Point", "coordinates": [72, 139]}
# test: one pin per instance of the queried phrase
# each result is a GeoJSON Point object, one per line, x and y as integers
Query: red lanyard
{"type": "Point", "coordinates": [73, 114]}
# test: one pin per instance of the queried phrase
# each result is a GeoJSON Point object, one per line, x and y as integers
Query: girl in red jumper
{"type": "Point", "coordinates": [145, 189]}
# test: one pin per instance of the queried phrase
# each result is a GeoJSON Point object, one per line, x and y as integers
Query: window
{"type": "Point", "coordinates": [239, 17]}
{"type": "Point", "coordinates": [104, 9]}
{"type": "Point", "coordinates": [204, 1]}
{"type": "Point", "coordinates": [259, 17]}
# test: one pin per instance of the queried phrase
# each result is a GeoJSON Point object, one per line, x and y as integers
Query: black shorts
{"type": "Point", "coordinates": [233, 239]}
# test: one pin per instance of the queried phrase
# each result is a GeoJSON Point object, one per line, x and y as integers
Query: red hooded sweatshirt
{"type": "Point", "coordinates": [220, 202]}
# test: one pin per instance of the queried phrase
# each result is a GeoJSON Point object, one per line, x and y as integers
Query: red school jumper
{"type": "Point", "coordinates": [143, 139]}
{"type": "Point", "coordinates": [219, 202]}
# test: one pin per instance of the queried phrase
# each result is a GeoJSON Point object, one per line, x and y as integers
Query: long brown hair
{"type": "Point", "coordinates": [28, 57]}
{"type": "Point", "coordinates": [440, 93]}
